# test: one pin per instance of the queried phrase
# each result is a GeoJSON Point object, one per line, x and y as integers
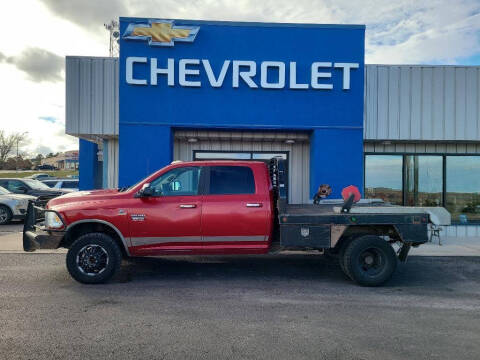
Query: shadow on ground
{"type": "Point", "coordinates": [417, 271]}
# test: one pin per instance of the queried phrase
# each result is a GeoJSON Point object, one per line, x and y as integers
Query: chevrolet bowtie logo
{"type": "Point", "coordinates": [161, 32]}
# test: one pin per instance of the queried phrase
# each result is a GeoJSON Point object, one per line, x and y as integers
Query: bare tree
{"type": "Point", "coordinates": [8, 143]}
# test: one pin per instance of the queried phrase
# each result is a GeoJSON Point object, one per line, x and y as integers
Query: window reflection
{"type": "Point", "coordinates": [423, 180]}
{"type": "Point", "coordinates": [463, 188]}
{"type": "Point", "coordinates": [222, 156]}
{"type": "Point", "coordinates": [383, 178]}
{"type": "Point", "coordinates": [268, 156]}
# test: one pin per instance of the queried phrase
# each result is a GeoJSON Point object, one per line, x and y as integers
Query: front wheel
{"type": "Point", "coordinates": [369, 260]}
{"type": "Point", "coordinates": [93, 258]}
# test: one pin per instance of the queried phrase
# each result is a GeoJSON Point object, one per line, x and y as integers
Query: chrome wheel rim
{"type": "Point", "coordinates": [92, 260]}
{"type": "Point", "coordinates": [3, 215]}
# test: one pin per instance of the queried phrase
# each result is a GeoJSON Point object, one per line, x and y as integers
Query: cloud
{"type": "Point", "coordinates": [90, 14]}
{"type": "Point", "coordinates": [43, 149]}
{"type": "Point", "coordinates": [402, 31]}
{"type": "Point", "coordinates": [39, 64]}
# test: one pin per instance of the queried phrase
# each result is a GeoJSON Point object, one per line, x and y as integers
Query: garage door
{"type": "Point", "coordinates": [241, 145]}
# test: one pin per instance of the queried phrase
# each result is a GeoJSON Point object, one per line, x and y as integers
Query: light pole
{"type": "Point", "coordinates": [19, 137]}
{"type": "Point", "coordinates": [113, 29]}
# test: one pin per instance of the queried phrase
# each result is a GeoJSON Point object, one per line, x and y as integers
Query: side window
{"type": "Point", "coordinates": [15, 186]}
{"type": "Point", "coordinates": [177, 182]}
{"type": "Point", "coordinates": [230, 180]}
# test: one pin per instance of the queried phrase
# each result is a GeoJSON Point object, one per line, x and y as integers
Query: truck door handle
{"type": "Point", "coordinates": [253, 205]}
{"type": "Point", "coordinates": [188, 206]}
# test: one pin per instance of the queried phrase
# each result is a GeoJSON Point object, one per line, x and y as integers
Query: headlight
{"type": "Point", "coordinates": [52, 220]}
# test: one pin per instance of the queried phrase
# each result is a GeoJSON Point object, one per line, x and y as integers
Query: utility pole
{"type": "Point", "coordinates": [114, 31]}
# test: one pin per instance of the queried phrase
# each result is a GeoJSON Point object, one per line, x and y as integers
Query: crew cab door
{"type": "Point", "coordinates": [168, 221]}
{"type": "Point", "coordinates": [235, 214]}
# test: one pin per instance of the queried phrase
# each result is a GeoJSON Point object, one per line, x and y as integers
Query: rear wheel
{"type": "Point", "coordinates": [369, 260]}
{"type": "Point", "coordinates": [93, 258]}
{"type": "Point", "coordinates": [5, 215]}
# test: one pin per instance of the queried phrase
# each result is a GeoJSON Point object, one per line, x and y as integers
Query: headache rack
{"type": "Point", "coordinates": [279, 175]}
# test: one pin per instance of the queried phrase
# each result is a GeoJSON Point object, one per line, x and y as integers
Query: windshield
{"type": "Point", "coordinates": [4, 191]}
{"type": "Point", "coordinates": [35, 184]}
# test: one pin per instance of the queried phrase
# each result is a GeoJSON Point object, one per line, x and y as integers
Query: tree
{"type": "Point", "coordinates": [38, 159]}
{"type": "Point", "coordinates": [8, 143]}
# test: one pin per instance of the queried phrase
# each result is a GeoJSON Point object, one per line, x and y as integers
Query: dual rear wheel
{"type": "Point", "coordinates": [368, 260]}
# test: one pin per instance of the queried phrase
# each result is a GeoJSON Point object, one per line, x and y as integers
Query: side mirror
{"type": "Point", "coordinates": [145, 191]}
{"type": "Point", "coordinates": [148, 191]}
{"type": "Point", "coordinates": [22, 189]}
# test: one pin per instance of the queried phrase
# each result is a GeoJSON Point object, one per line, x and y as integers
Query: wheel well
{"type": "Point", "coordinates": [88, 227]}
{"type": "Point", "coordinates": [353, 232]}
{"type": "Point", "coordinates": [7, 207]}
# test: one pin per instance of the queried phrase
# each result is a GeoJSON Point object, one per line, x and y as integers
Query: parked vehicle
{"type": "Point", "coordinates": [31, 187]}
{"type": "Point", "coordinates": [64, 184]}
{"type": "Point", "coordinates": [223, 207]}
{"type": "Point", "coordinates": [13, 206]}
{"type": "Point", "coordinates": [40, 176]}
{"type": "Point", "coordinates": [50, 183]}
{"type": "Point", "coordinates": [45, 167]}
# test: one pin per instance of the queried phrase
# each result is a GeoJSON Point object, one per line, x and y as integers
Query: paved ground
{"type": "Point", "coordinates": [274, 307]}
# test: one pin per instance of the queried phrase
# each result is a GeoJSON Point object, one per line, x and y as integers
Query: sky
{"type": "Point", "coordinates": [38, 34]}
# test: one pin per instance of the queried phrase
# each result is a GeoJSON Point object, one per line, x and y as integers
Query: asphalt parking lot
{"type": "Point", "coordinates": [272, 307]}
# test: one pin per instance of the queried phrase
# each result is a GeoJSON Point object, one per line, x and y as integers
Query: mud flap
{"type": "Point", "coordinates": [403, 252]}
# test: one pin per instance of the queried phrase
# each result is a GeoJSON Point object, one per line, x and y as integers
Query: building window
{"type": "Point", "coordinates": [463, 188]}
{"type": "Point", "coordinates": [200, 155]}
{"type": "Point", "coordinates": [423, 180]}
{"type": "Point", "coordinates": [240, 155]}
{"type": "Point", "coordinates": [451, 181]}
{"type": "Point", "coordinates": [383, 178]}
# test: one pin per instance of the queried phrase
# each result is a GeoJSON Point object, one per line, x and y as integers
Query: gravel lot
{"type": "Point", "coordinates": [274, 307]}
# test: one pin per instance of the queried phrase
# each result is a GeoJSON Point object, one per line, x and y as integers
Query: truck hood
{"type": "Point", "coordinates": [83, 196]}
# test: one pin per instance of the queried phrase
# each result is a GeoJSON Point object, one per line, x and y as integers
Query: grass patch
{"type": "Point", "coordinates": [22, 174]}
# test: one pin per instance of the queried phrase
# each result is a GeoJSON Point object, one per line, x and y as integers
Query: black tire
{"type": "Point", "coordinates": [341, 258]}
{"type": "Point", "coordinates": [93, 258]}
{"type": "Point", "coordinates": [5, 215]}
{"type": "Point", "coordinates": [369, 260]}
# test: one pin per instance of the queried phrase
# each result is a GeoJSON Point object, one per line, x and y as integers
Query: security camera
{"type": "Point", "coordinates": [116, 34]}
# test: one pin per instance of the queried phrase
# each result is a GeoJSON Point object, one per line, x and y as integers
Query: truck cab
{"type": "Point", "coordinates": [184, 210]}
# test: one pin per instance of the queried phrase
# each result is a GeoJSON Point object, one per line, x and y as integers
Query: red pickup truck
{"type": "Point", "coordinates": [217, 208]}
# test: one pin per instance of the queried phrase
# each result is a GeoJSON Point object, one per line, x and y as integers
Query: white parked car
{"type": "Point", "coordinates": [13, 206]}
{"type": "Point", "coordinates": [64, 184]}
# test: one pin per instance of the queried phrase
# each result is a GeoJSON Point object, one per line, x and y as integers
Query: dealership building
{"type": "Point", "coordinates": [196, 90]}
